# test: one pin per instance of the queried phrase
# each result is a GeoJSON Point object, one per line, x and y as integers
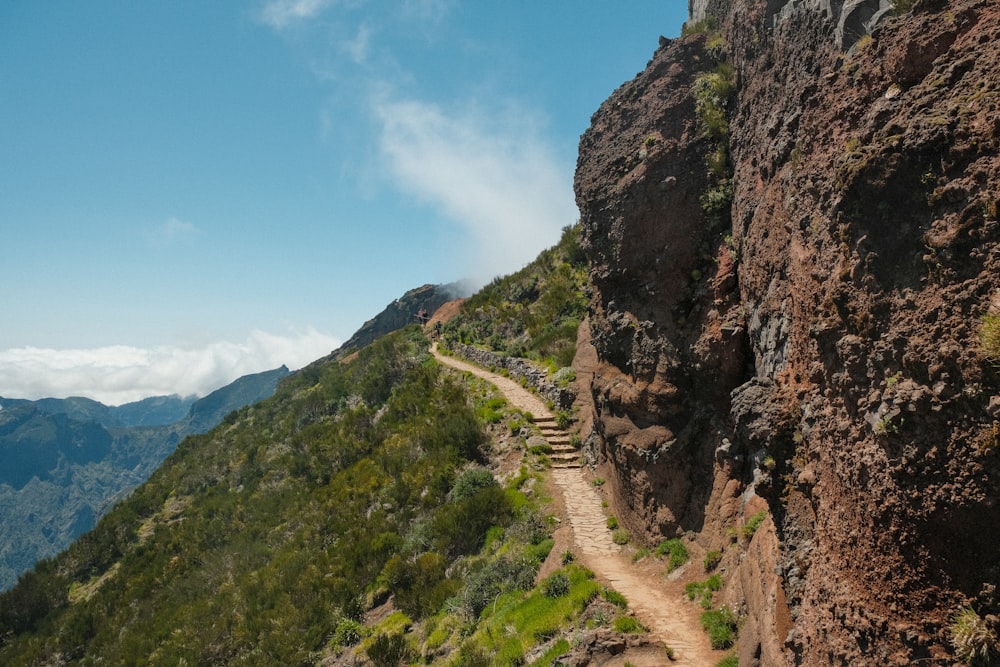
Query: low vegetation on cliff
{"type": "Point", "coordinates": [352, 516]}
{"type": "Point", "coordinates": [533, 313]}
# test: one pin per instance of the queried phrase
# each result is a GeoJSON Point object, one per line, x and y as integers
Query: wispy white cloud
{"type": "Point", "coordinates": [357, 48]}
{"type": "Point", "coordinates": [427, 10]}
{"type": "Point", "coordinates": [119, 374]}
{"type": "Point", "coordinates": [491, 171]}
{"type": "Point", "coordinates": [172, 231]}
{"type": "Point", "coordinates": [281, 13]}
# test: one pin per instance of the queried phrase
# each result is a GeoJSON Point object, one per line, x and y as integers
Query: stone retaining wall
{"type": "Point", "coordinates": [519, 369]}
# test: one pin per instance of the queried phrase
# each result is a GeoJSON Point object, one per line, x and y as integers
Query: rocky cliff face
{"type": "Point", "coordinates": [815, 349]}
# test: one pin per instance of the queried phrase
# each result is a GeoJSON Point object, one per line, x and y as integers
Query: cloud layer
{"type": "Point", "coordinates": [491, 172]}
{"type": "Point", "coordinates": [121, 374]}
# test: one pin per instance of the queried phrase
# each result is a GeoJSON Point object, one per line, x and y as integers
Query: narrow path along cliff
{"type": "Point", "coordinates": [656, 603]}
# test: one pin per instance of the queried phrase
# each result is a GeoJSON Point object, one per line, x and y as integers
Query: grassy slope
{"type": "Point", "coordinates": [286, 535]}
{"type": "Point", "coordinates": [266, 540]}
{"type": "Point", "coordinates": [532, 313]}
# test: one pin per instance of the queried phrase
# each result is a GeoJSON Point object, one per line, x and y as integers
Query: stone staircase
{"type": "Point", "coordinates": [564, 454]}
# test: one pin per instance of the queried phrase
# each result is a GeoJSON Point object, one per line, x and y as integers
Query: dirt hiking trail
{"type": "Point", "coordinates": [657, 603]}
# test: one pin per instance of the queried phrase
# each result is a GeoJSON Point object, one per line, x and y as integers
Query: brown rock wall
{"type": "Point", "coordinates": [826, 360]}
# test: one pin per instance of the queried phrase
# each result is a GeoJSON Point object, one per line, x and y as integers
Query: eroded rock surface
{"type": "Point", "coordinates": [816, 354]}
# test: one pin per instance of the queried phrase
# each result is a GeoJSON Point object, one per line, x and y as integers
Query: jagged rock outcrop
{"type": "Point", "coordinates": [851, 19]}
{"type": "Point", "coordinates": [817, 353]}
{"type": "Point", "coordinates": [414, 307]}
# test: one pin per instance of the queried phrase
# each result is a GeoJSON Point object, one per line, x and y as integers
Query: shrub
{"type": "Point", "coordinates": [678, 553]}
{"type": "Point", "coordinates": [388, 650]}
{"type": "Point", "coordinates": [720, 624]}
{"type": "Point", "coordinates": [568, 557]}
{"type": "Point", "coordinates": [612, 523]}
{"type": "Point", "coordinates": [972, 636]}
{"type": "Point", "coordinates": [348, 632]}
{"type": "Point", "coordinates": [711, 560]}
{"type": "Point", "coordinates": [620, 536]}
{"type": "Point", "coordinates": [485, 585]}
{"type": "Point", "coordinates": [556, 585]}
{"type": "Point", "coordinates": [729, 661]}
{"type": "Point", "coordinates": [470, 482]}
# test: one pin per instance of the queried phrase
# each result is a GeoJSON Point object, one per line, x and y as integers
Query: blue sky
{"type": "Point", "coordinates": [191, 191]}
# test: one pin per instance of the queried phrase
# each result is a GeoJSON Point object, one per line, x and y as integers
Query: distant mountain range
{"type": "Point", "coordinates": [65, 462]}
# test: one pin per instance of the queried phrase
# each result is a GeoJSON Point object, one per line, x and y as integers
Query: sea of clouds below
{"type": "Point", "coordinates": [120, 374]}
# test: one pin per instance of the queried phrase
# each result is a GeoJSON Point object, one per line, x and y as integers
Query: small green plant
{"type": "Point", "coordinates": [620, 536]}
{"type": "Point", "coordinates": [556, 585]}
{"type": "Point", "coordinates": [388, 650]}
{"type": "Point", "coordinates": [678, 553]}
{"type": "Point", "coordinates": [670, 653]}
{"type": "Point", "coordinates": [704, 590]}
{"type": "Point", "coordinates": [628, 625]}
{"type": "Point", "coordinates": [706, 26]}
{"type": "Point", "coordinates": [614, 597]}
{"type": "Point", "coordinates": [639, 554]}
{"type": "Point", "coordinates": [902, 6]}
{"type": "Point", "coordinates": [563, 420]}
{"type": "Point", "coordinates": [972, 636]}
{"type": "Point", "coordinates": [612, 523]}
{"type": "Point", "coordinates": [752, 524]}
{"type": "Point", "coordinates": [564, 376]}
{"type": "Point", "coordinates": [730, 660]}
{"type": "Point", "coordinates": [712, 560]}
{"type": "Point", "coordinates": [720, 624]}
{"type": "Point", "coordinates": [989, 336]}
{"type": "Point", "coordinates": [568, 557]}
{"type": "Point", "coordinates": [348, 632]}
{"type": "Point", "coordinates": [598, 481]}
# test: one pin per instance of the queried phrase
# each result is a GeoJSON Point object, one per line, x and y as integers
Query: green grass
{"type": "Point", "coordinates": [533, 313]}
{"type": "Point", "coordinates": [628, 625]}
{"type": "Point", "coordinates": [677, 551]}
{"type": "Point", "coordinates": [561, 647]}
{"type": "Point", "coordinates": [704, 590]}
{"type": "Point", "coordinates": [614, 597]}
{"type": "Point", "coordinates": [729, 661]}
{"type": "Point", "coordinates": [518, 621]}
{"type": "Point", "coordinates": [989, 336]}
{"type": "Point", "coordinates": [711, 560]}
{"type": "Point", "coordinates": [971, 636]}
{"type": "Point", "coordinates": [720, 624]}
{"type": "Point", "coordinates": [752, 524]}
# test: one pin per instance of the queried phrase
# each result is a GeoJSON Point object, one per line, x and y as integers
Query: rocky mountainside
{"type": "Point", "coordinates": [417, 305]}
{"type": "Point", "coordinates": [792, 220]}
{"type": "Point", "coordinates": [67, 461]}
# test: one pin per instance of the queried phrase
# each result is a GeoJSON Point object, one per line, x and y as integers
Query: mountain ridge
{"type": "Point", "coordinates": [66, 461]}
